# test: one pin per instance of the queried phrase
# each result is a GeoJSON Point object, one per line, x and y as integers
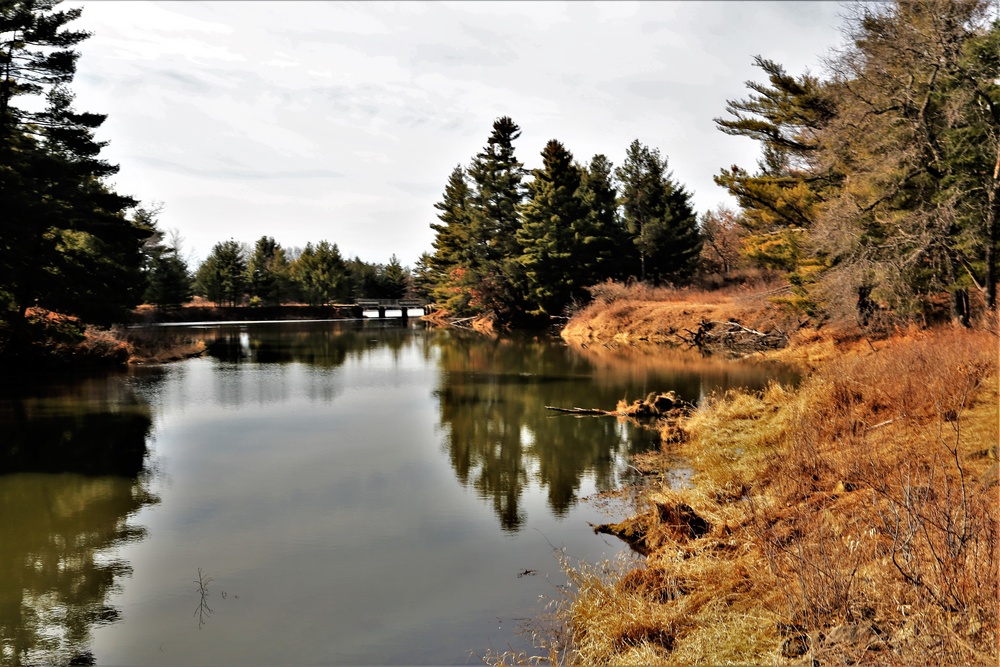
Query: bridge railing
{"type": "Point", "coordinates": [390, 303]}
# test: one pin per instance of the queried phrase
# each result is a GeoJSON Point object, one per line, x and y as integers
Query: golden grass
{"type": "Point", "coordinates": [655, 314]}
{"type": "Point", "coordinates": [850, 520]}
{"type": "Point", "coordinates": [158, 346]}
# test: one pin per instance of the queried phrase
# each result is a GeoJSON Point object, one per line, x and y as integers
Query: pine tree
{"type": "Point", "coordinates": [222, 277]}
{"type": "Point", "coordinates": [917, 130]}
{"type": "Point", "coordinates": [321, 274]}
{"type": "Point", "coordinates": [65, 242]}
{"type": "Point", "coordinates": [659, 215]}
{"type": "Point", "coordinates": [494, 276]}
{"type": "Point", "coordinates": [421, 280]}
{"type": "Point", "coordinates": [613, 247]}
{"type": "Point", "coordinates": [167, 277]}
{"type": "Point", "coordinates": [452, 247]}
{"type": "Point", "coordinates": [783, 198]}
{"type": "Point", "coordinates": [394, 278]}
{"type": "Point", "coordinates": [268, 273]}
{"type": "Point", "coordinates": [557, 249]}
{"type": "Point", "coordinates": [36, 57]}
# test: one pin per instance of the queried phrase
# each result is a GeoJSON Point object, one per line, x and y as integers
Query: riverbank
{"type": "Point", "coordinates": [201, 311]}
{"type": "Point", "coordinates": [853, 519]}
{"type": "Point", "coordinates": [55, 342]}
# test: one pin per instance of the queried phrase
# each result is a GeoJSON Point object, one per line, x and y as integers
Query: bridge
{"type": "Point", "coordinates": [363, 306]}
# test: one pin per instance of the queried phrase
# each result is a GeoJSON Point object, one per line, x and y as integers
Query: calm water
{"type": "Point", "coordinates": [347, 493]}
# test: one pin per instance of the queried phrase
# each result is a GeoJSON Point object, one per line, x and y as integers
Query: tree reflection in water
{"type": "Point", "coordinates": [72, 473]}
{"type": "Point", "coordinates": [499, 437]}
{"type": "Point", "coordinates": [325, 345]}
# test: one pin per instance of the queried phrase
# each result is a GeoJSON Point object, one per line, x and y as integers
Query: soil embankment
{"type": "Point", "coordinates": [689, 318]}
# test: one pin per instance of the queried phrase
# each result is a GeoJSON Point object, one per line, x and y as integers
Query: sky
{"type": "Point", "coordinates": [341, 121]}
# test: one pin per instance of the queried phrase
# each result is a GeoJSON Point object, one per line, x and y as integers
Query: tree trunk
{"type": "Point", "coordinates": [992, 213]}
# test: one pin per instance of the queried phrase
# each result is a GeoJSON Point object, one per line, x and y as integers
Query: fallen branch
{"type": "Point", "coordinates": [581, 411]}
{"type": "Point", "coordinates": [732, 335]}
{"type": "Point", "coordinates": [653, 406]}
{"type": "Point", "coordinates": [734, 323]}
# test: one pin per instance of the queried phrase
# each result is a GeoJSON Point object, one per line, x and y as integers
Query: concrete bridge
{"type": "Point", "coordinates": [363, 306]}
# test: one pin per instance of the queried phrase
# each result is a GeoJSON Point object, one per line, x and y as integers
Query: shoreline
{"type": "Point", "coordinates": [783, 548]}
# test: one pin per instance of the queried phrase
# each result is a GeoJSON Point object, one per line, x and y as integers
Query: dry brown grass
{"type": "Point", "coordinates": [851, 520]}
{"type": "Point", "coordinates": [630, 313]}
{"type": "Point", "coordinates": [160, 345]}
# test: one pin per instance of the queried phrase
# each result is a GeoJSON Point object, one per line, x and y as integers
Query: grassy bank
{"type": "Point", "coordinates": [853, 519]}
{"type": "Point", "coordinates": [639, 313]}
{"type": "Point", "coordinates": [52, 341]}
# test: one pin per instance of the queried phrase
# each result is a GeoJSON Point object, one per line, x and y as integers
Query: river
{"type": "Point", "coordinates": [335, 493]}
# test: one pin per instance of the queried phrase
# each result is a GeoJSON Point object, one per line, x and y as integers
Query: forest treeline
{"type": "Point", "coordinates": [266, 274]}
{"type": "Point", "coordinates": [876, 196]}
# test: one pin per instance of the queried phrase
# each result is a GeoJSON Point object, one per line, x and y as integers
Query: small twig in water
{"type": "Point", "coordinates": [202, 610]}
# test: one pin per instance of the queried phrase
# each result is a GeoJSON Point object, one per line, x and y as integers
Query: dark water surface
{"type": "Point", "coordinates": [346, 493]}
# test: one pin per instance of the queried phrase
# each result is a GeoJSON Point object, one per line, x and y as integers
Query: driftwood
{"type": "Point", "coordinates": [653, 406]}
{"type": "Point", "coordinates": [733, 336]}
{"type": "Point", "coordinates": [581, 411]}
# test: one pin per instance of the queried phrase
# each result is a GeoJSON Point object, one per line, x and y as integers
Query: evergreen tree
{"type": "Point", "coordinates": [659, 215]}
{"type": "Point", "coordinates": [222, 277]}
{"type": "Point", "coordinates": [268, 273]}
{"type": "Point", "coordinates": [453, 253]}
{"type": "Point", "coordinates": [395, 279]}
{"type": "Point", "coordinates": [555, 234]}
{"type": "Point", "coordinates": [676, 241]}
{"type": "Point", "coordinates": [65, 242]}
{"type": "Point", "coordinates": [783, 199]}
{"type": "Point", "coordinates": [421, 278]}
{"type": "Point", "coordinates": [364, 279]}
{"type": "Point", "coordinates": [494, 276]}
{"type": "Point", "coordinates": [168, 279]}
{"type": "Point", "coordinates": [322, 275]}
{"type": "Point", "coordinates": [36, 57]}
{"type": "Point", "coordinates": [613, 247]}
{"type": "Point", "coordinates": [917, 130]}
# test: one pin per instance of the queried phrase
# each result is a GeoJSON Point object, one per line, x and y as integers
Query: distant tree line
{"type": "Point", "coordinates": [234, 274]}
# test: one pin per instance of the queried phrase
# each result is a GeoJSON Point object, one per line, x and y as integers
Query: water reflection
{"type": "Point", "coordinates": [373, 482]}
{"type": "Point", "coordinates": [71, 474]}
{"type": "Point", "coordinates": [499, 437]}
{"type": "Point", "coordinates": [326, 345]}
{"type": "Point", "coordinates": [491, 394]}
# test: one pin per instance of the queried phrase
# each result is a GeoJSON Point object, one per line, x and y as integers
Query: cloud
{"type": "Point", "coordinates": [235, 174]}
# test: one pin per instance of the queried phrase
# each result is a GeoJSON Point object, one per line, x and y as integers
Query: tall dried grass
{"type": "Point", "coordinates": [851, 520]}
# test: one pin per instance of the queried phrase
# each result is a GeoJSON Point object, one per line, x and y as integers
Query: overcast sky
{"type": "Point", "coordinates": [342, 120]}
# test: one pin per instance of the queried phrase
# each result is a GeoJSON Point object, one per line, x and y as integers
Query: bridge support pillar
{"type": "Point", "coordinates": [381, 312]}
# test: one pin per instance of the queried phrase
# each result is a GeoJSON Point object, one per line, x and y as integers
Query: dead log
{"type": "Point", "coordinates": [581, 411]}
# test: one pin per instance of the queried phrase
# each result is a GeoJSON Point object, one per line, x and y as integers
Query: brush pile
{"type": "Point", "coordinates": [731, 336]}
